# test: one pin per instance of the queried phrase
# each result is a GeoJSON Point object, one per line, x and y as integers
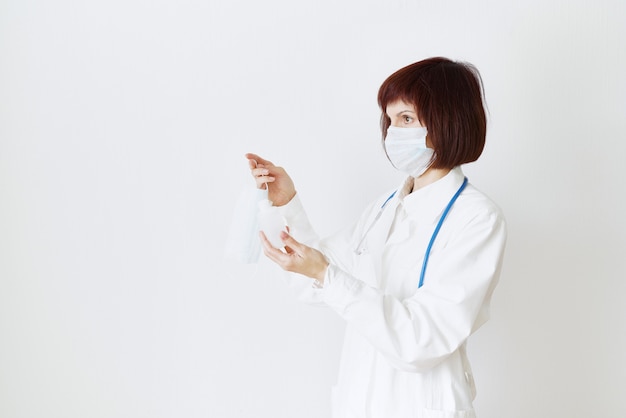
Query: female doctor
{"type": "Point", "coordinates": [414, 275]}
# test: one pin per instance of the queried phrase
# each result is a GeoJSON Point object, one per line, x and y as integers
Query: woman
{"type": "Point", "coordinates": [413, 277]}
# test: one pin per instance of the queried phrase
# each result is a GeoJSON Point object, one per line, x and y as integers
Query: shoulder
{"type": "Point", "coordinates": [475, 206]}
{"type": "Point", "coordinates": [476, 221]}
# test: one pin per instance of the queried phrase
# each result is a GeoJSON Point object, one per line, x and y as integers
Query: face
{"type": "Point", "coordinates": [403, 115]}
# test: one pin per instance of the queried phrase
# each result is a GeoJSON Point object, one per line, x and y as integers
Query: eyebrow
{"type": "Point", "coordinates": [404, 111]}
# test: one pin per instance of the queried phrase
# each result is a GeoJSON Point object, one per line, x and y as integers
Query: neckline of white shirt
{"type": "Point", "coordinates": [430, 201]}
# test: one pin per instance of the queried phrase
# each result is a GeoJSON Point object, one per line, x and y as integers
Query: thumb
{"type": "Point", "coordinates": [258, 159]}
{"type": "Point", "coordinates": [290, 242]}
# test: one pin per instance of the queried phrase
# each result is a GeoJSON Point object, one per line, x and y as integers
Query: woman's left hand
{"type": "Point", "coordinates": [298, 257]}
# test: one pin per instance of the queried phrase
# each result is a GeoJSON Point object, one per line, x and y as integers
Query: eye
{"type": "Point", "coordinates": [407, 119]}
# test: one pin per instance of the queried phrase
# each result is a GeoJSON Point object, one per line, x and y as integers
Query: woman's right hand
{"type": "Point", "coordinates": [282, 189]}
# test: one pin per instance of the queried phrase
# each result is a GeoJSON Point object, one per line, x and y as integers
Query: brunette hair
{"type": "Point", "coordinates": [448, 99]}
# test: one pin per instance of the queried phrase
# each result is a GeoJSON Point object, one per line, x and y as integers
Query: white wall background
{"type": "Point", "coordinates": [122, 131]}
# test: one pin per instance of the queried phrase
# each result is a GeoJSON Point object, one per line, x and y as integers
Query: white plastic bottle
{"type": "Point", "coordinates": [271, 222]}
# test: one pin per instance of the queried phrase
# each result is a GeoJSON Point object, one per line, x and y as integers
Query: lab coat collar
{"type": "Point", "coordinates": [430, 201]}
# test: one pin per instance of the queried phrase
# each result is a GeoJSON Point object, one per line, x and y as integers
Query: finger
{"type": "Point", "coordinates": [261, 182]}
{"type": "Point", "coordinates": [261, 175]}
{"type": "Point", "coordinates": [259, 171]}
{"type": "Point", "coordinates": [255, 166]}
{"type": "Point", "coordinates": [294, 246]}
{"type": "Point", "coordinates": [269, 250]}
{"type": "Point", "coordinates": [258, 159]}
{"type": "Point", "coordinates": [282, 259]}
{"type": "Point", "coordinates": [267, 246]}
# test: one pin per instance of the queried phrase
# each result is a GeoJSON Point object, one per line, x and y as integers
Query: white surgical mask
{"type": "Point", "coordinates": [407, 151]}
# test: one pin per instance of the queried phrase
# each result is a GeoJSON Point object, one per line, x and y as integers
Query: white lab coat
{"type": "Point", "coordinates": [404, 351]}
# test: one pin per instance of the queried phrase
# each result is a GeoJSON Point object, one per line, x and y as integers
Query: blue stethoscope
{"type": "Point", "coordinates": [359, 249]}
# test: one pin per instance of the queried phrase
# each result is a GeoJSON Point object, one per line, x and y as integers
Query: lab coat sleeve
{"type": "Point", "coordinates": [298, 221]}
{"type": "Point", "coordinates": [417, 333]}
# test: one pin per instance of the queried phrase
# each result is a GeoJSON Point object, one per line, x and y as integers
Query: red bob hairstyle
{"type": "Point", "coordinates": [448, 99]}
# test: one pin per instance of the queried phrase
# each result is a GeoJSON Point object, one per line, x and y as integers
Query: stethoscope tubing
{"type": "Point", "coordinates": [436, 231]}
